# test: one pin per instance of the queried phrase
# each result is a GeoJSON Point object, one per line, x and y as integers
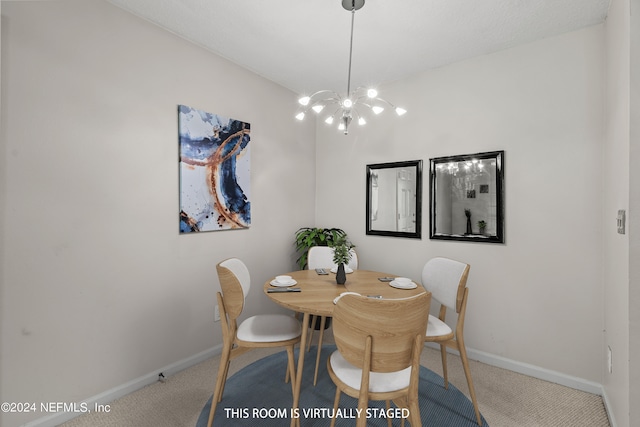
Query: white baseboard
{"type": "Point", "coordinates": [530, 370]}
{"type": "Point", "coordinates": [536, 371]}
{"type": "Point", "coordinates": [129, 387]}
{"type": "Point", "coordinates": [607, 405]}
{"type": "Point", "coordinates": [540, 373]}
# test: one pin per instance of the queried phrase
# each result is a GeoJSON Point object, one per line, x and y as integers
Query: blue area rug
{"type": "Point", "coordinates": [257, 396]}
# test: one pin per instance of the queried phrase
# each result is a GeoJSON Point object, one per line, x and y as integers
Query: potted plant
{"type": "Point", "coordinates": [482, 225]}
{"type": "Point", "coordinates": [341, 256]}
{"type": "Point", "coordinates": [308, 237]}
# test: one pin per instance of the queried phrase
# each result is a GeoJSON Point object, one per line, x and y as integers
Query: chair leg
{"type": "Point", "coordinates": [443, 356]}
{"type": "Point", "coordinates": [363, 402]}
{"type": "Point", "coordinates": [467, 372]}
{"type": "Point", "coordinates": [287, 375]}
{"type": "Point", "coordinates": [291, 366]}
{"type": "Point", "coordinates": [362, 416]}
{"type": "Point", "coordinates": [224, 379]}
{"type": "Point", "coordinates": [388, 405]}
{"type": "Point", "coordinates": [323, 320]}
{"type": "Point", "coordinates": [401, 402]}
{"type": "Point", "coordinates": [222, 376]}
{"type": "Point", "coordinates": [414, 413]}
{"type": "Point", "coordinates": [312, 324]}
{"type": "Point", "coordinates": [336, 402]}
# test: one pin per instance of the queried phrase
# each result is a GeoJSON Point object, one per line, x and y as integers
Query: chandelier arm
{"type": "Point", "coordinates": [359, 99]}
{"type": "Point", "coordinates": [325, 101]}
{"type": "Point", "coordinates": [336, 112]}
{"type": "Point", "coordinates": [360, 89]}
{"type": "Point", "coordinates": [385, 101]}
{"type": "Point", "coordinates": [369, 106]}
{"type": "Point", "coordinates": [335, 94]}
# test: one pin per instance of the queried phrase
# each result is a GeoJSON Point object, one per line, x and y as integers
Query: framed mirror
{"type": "Point", "coordinates": [467, 197]}
{"type": "Point", "coordinates": [394, 199]}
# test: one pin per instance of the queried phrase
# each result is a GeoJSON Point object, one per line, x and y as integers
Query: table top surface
{"type": "Point", "coordinates": [317, 292]}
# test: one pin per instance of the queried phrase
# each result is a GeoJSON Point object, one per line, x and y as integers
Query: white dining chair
{"type": "Point", "coordinates": [446, 279]}
{"type": "Point", "coordinates": [378, 357]}
{"type": "Point", "coordinates": [322, 257]}
{"type": "Point", "coordinates": [265, 330]}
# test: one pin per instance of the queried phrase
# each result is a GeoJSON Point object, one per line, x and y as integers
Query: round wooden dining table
{"type": "Point", "coordinates": [316, 296]}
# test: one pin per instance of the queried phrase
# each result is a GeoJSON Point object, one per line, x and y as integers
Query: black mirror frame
{"type": "Point", "coordinates": [499, 237]}
{"type": "Point", "coordinates": [417, 234]}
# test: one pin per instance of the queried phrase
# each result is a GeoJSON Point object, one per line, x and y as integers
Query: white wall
{"type": "Point", "coordinates": [634, 221]}
{"type": "Point", "coordinates": [98, 288]}
{"type": "Point", "coordinates": [2, 173]}
{"type": "Point", "coordinates": [616, 196]}
{"type": "Point", "coordinates": [538, 298]}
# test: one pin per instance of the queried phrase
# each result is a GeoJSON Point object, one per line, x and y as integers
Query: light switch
{"type": "Point", "coordinates": [621, 221]}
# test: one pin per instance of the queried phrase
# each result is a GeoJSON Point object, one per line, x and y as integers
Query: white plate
{"type": "Point", "coordinates": [346, 270]}
{"type": "Point", "coordinates": [283, 285]}
{"type": "Point", "coordinates": [396, 285]}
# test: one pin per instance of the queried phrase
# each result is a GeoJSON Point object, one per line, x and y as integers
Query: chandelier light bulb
{"type": "Point", "coordinates": [317, 108]}
{"type": "Point", "coordinates": [400, 111]}
{"type": "Point", "coordinates": [377, 109]}
{"type": "Point", "coordinates": [300, 116]}
{"type": "Point", "coordinates": [329, 120]}
{"type": "Point", "coordinates": [347, 103]}
{"type": "Point", "coordinates": [304, 100]}
{"type": "Point", "coordinates": [372, 93]}
{"type": "Point", "coordinates": [362, 121]}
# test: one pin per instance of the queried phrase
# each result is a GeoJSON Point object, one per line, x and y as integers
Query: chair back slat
{"type": "Point", "coordinates": [392, 324]}
{"type": "Point", "coordinates": [446, 279]}
{"type": "Point", "coordinates": [235, 283]}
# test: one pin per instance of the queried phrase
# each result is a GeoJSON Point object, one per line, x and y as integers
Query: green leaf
{"type": "Point", "coordinates": [306, 237]}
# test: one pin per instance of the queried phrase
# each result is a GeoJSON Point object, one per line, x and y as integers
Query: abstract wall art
{"type": "Point", "coordinates": [214, 172]}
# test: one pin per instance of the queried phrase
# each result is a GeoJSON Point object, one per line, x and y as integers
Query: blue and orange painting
{"type": "Point", "coordinates": [214, 172]}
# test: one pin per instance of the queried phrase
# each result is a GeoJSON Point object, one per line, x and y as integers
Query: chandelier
{"type": "Point", "coordinates": [346, 108]}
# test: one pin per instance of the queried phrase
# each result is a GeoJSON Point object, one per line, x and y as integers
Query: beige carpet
{"type": "Point", "coordinates": [506, 399]}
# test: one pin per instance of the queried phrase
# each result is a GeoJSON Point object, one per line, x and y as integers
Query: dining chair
{"type": "Point", "coordinates": [265, 330]}
{"type": "Point", "coordinates": [322, 257]}
{"type": "Point", "coordinates": [378, 357]}
{"type": "Point", "coordinates": [446, 279]}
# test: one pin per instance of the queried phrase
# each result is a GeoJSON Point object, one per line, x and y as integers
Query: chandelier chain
{"type": "Point", "coordinates": [353, 16]}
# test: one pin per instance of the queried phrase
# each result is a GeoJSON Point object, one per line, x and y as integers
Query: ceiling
{"type": "Point", "coordinates": [303, 45]}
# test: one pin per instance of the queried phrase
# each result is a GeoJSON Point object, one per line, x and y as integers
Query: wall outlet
{"type": "Point", "coordinates": [609, 360]}
{"type": "Point", "coordinates": [216, 317]}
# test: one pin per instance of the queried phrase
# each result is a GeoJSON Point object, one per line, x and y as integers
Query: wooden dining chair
{"type": "Point", "coordinates": [265, 330]}
{"type": "Point", "coordinates": [446, 279]}
{"type": "Point", "coordinates": [322, 257]}
{"type": "Point", "coordinates": [378, 357]}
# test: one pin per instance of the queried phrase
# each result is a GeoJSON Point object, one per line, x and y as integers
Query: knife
{"type": "Point", "coordinates": [271, 290]}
